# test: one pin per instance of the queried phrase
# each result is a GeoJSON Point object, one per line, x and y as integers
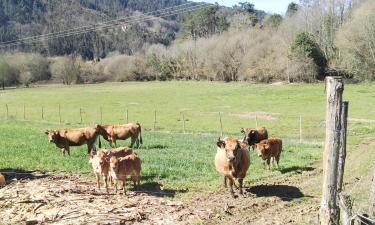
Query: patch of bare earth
{"type": "Point", "coordinates": [291, 198]}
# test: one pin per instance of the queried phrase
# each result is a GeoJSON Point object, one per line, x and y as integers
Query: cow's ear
{"type": "Point", "coordinates": [46, 132]}
{"type": "Point", "coordinates": [220, 143]}
{"type": "Point", "coordinates": [242, 130]}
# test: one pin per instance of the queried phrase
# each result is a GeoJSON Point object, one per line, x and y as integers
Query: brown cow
{"type": "Point", "coordinates": [270, 148]}
{"type": "Point", "coordinates": [254, 136]}
{"type": "Point", "coordinates": [100, 162]}
{"type": "Point", "coordinates": [111, 133]}
{"type": "Point", "coordinates": [232, 160]}
{"type": "Point", "coordinates": [122, 167]}
{"type": "Point", "coordinates": [64, 138]}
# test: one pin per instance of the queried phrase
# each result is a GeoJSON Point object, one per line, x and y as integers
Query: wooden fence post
{"type": "Point", "coordinates": [183, 122]}
{"type": "Point", "coordinates": [342, 149]}
{"type": "Point", "coordinates": [221, 126]}
{"type": "Point", "coordinates": [60, 113]}
{"type": "Point", "coordinates": [101, 115]}
{"type": "Point", "coordinates": [328, 213]}
{"type": "Point", "coordinates": [24, 112]}
{"type": "Point", "coordinates": [372, 202]}
{"type": "Point", "coordinates": [256, 121]}
{"type": "Point", "coordinates": [80, 114]}
{"type": "Point", "coordinates": [300, 129]}
{"type": "Point", "coordinates": [155, 120]}
{"type": "Point", "coordinates": [6, 106]}
{"type": "Point", "coordinates": [42, 112]}
{"type": "Point", "coordinates": [127, 116]}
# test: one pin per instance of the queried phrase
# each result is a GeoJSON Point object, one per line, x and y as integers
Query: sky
{"type": "Point", "coordinates": [270, 6]}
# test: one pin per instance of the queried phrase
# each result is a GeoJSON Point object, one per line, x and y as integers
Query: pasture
{"type": "Point", "coordinates": [181, 162]}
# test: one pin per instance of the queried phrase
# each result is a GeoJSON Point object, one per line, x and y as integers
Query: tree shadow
{"type": "Point", "coordinates": [20, 174]}
{"type": "Point", "coordinates": [284, 192]}
{"type": "Point", "coordinates": [296, 169]}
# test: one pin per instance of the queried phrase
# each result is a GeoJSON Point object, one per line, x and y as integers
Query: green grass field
{"type": "Point", "coordinates": [168, 156]}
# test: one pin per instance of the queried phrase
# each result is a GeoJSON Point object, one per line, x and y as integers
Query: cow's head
{"type": "Point", "coordinates": [100, 129]}
{"type": "Point", "coordinates": [231, 147]}
{"type": "Point", "coordinates": [113, 164]}
{"type": "Point", "coordinates": [53, 135]}
{"type": "Point", "coordinates": [263, 149]}
{"type": "Point", "coordinates": [99, 161]}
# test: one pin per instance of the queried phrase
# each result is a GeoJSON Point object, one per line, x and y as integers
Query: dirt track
{"type": "Point", "coordinates": [292, 198]}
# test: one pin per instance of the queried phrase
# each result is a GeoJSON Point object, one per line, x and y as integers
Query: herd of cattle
{"type": "Point", "coordinates": [232, 159]}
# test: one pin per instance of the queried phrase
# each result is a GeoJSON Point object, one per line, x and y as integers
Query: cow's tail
{"type": "Point", "coordinates": [100, 143]}
{"type": "Point", "coordinates": [140, 133]}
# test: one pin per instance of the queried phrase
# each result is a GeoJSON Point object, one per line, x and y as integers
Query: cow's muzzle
{"type": "Point", "coordinates": [231, 158]}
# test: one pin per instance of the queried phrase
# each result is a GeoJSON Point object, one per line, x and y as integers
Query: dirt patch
{"type": "Point", "coordinates": [254, 115]}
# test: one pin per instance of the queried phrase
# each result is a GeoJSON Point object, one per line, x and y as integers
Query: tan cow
{"type": "Point", "coordinates": [232, 160]}
{"type": "Point", "coordinates": [254, 136]}
{"type": "Point", "coordinates": [126, 166]}
{"type": "Point", "coordinates": [100, 164]}
{"type": "Point", "coordinates": [270, 148]}
{"type": "Point", "coordinates": [111, 133]}
{"type": "Point", "coordinates": [64, 138]}
{"type": "Point", "coordinates": [2, 180]}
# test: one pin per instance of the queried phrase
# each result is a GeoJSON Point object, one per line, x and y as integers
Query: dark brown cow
{"type": "Point", "coordinates": [122, 167]}
{"type": "Point", "coordinates": [254, 136]}
{"type": "Point", "coordinates": [270, 148]}
{"type": "Point", "coordinates": [232, 160]}
{"type": "Point", "coordinates": [111, 133]}
{"type": "Point", "coordinates": [64, 138]}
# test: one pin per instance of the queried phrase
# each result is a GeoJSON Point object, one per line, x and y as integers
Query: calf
{"type": "Point", "coordinates": [270, 148]}
{"type": "Point", "coordinates": [232, 160]}
{"type": "Point", "coordinates": [126, 166]}
{"type": "Point", "coordinates": [111, 133]}
{"type": "Point", "coordinates": [254, 136]}
{"type": "Point", "coordinates": [100, 165]}
{"type": "Point", "coordinates": [64, 138]}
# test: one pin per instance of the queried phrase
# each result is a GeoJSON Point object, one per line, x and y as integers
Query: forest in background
{"type": "Point", "coordinates": [315, 38]}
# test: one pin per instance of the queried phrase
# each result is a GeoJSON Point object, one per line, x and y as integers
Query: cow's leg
{"type": "Point", "coordinates": [240, 180]}
{"type": "Point", "coordinates": [123, 185]}
{"type": "Point", "coordinates": [264, 163]}
{"type": "Point", "coordinates": [105, 177]}
{"type": "Point", "coordinates": [277, 160]}
{"type": "Point", "coordinates": [63, 151]}
{"type": "Point", "coordinates": [132, 141]}
{"type": "Point", "coordinates": [225, 181]}
{"type": "Point", "coordinates": [231, 181]}
{"type": "Point", "coordinates": [97, 180]}
{"type": "Point", "coordinates": [268, 163]}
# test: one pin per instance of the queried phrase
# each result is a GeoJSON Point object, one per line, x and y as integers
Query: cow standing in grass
{"type": "Point", "coordinates": [232, 160]}
{"type": "Point", "coordinates": [254, 136]}
{"type": "Point", "coordinates": [64, 138]}
{"type": "Point", "coordinates": [111, 133]}
{"type": "Point", "coordinates": [270, 149]}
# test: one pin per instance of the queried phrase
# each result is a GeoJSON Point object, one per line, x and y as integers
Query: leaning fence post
{"type": "Point", "coordinates": [328, 213]}
{"type": "Point", "coordinates": [80, 114]}
{"type": "Point", "coordinates": [342, 149]}
{"type": "Point", "coordinates": [6, 106]}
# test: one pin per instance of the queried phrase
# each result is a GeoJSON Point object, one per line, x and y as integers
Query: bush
{"type": "Point", "coordinates": [8, 75]}
{"type": "Point", "coordinates": [66, 69]}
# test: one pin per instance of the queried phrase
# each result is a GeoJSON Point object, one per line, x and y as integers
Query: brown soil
{"type": "Point", "coordinates": [292, 198]}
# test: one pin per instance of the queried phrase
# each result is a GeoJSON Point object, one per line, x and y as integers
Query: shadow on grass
{"type": "Point", "coordinates": [284, 192]}
{"type": "Point", "coordinates": [154, 146]}
{"type": "Point", "coordinates": [19, 174]}
{"type": "Point", "coordinates": [296, 169]}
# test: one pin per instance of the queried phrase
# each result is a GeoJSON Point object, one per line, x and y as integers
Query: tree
{"type": "Point", "coordinates": [8, 75]}
{"type": "Point", "coordinates": [356, 43]}
{"type": "Point", "coordinates": [67, 69]}
{"type": "Point", "coordinates": [305, 46]}
{"type": "Point", "coordinates": [292, 9]}
{"type": "Point", "coordinates": [273, 21]}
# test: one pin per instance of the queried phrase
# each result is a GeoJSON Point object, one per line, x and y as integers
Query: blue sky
{"type": "Point", "coordinates": [271, 6]}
